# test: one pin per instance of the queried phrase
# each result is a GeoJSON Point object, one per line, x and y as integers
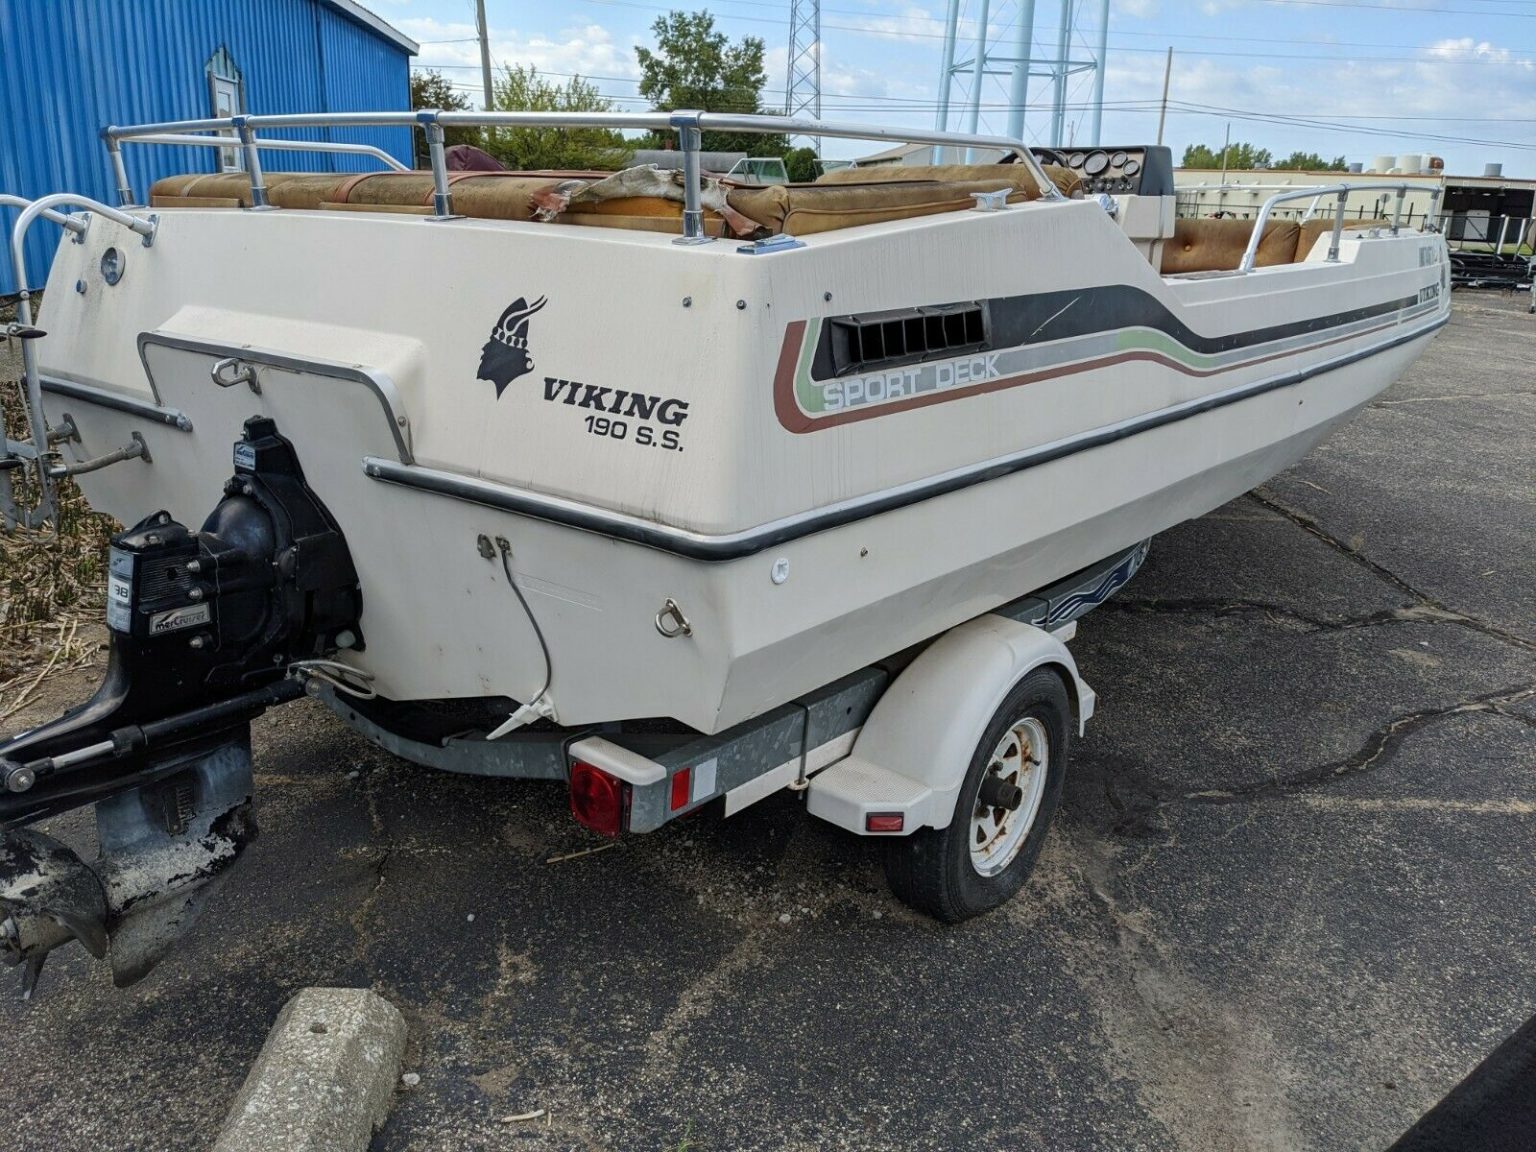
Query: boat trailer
{"type": "Point", "coordinates": [965, 735]}
{"type": "Point", "coordinates": [210, 628]}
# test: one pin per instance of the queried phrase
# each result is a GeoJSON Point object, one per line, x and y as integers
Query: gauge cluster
{"type": "Point", "coordinates": [1142, 171]}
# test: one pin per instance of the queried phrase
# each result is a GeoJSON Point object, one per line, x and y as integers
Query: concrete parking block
{"type": "Point", "coordinates": [325, 1077]}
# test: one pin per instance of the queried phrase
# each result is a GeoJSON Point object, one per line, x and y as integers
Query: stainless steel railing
{"type": "Point", "coordinates": [214, 133]}
{"type": "Point", "coordinates": [37, 452]}
{"type": "Point", "coordinates": [1341, 191]}
{"type": "Point", "coordinates": [274, 144]}
{"type": "Point", "coordinates": [687, 125]}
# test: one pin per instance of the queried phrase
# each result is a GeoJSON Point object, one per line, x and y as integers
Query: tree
{"type": "Point", "coordinates": [693, 66]}
{"type": "Point", "coordinates": [800, 164]}
{"type": "Point", "coordinates": [431, 89]}
{"type": "Point", "coordinates": [1240, 156]}
{"type": "Point", "coordinates": [522, 89]}
{"type": "Point", "coordinates": [1311, 162]}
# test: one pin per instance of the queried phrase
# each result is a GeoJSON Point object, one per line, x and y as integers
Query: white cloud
{"type": "Point", "coordinates": [588, 50]}
{"type": "Point", "coordinates": [912, 23]}
{"type": "Point", "coordinates": [1387, 105]}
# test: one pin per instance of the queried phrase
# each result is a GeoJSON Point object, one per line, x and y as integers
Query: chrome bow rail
{"type": "Point", "coordinates": [687, 125]}
{"type": "Point", "coordinates": [1341, 191]}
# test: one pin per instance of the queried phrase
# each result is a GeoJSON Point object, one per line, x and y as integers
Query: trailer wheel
{"type": "Point", "coordinates": [1005, 807]}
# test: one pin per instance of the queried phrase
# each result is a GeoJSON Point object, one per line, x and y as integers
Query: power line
{"type": "Point", "coordinates": [921, 103]}
{"type": "Point", "coordinates": [923, 18]}
{"type": "Point", "coordinates": [1395, 9]}
{"type": "Point", "coordinates": [1442, 53]}
{"type": "Point", "coordinates": [1440, 58]}
{"type": "Point", "coordinates": [1341, 125]}
{"type": "Point", "coordinates": [874, 102]}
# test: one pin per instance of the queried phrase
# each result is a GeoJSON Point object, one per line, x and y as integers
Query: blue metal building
{"type": "Point", "coordinates": [68, 68]}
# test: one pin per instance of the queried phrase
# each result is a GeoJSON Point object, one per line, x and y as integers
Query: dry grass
{"type": "Point", "coordinates": [50, 584]}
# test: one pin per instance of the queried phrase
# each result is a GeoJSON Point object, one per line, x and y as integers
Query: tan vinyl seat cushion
{"type": "Point", "coordinates": [1204, 245]}
{"type": "Point", "coordinates": [1016, 174]}
{"type": "Point", "coordinates": [803, 209]}
{"type": "Point", "coordinates": [494, 195]}
{"type": "Point", "coordinates": [839, 200]}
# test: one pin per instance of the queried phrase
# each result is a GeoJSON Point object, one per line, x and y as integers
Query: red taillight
{"type": "Point", "coordinates": [884, 822]}
{"type": "Point", "coordinates": [597, 799]}
{"type": "Point", "coordinates": [681, 784]}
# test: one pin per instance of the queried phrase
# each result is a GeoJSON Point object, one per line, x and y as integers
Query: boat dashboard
{"type": "Point", "coordinates": [1141, 170]}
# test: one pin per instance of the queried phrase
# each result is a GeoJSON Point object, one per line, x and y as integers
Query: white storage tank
{"type": "Point", "coordinates": [1411, 162]}
{"type": "Point", "coordinates": [1381, 164]}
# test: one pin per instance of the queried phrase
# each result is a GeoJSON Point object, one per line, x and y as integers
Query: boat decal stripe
{"type": "Point", "coordinates": [750, 541]}
{"type": "Point", "coordinates": [1038, 337]}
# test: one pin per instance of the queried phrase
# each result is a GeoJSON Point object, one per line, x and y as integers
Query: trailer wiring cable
{"type": "Point", "coordinates": [505, 546]}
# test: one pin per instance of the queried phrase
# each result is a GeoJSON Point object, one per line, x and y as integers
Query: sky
{"type": "Point", "coordinates": [1357, 78]}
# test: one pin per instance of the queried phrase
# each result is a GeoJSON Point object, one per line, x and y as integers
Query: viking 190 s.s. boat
{"type": "Point", "coordinates": [501, 463]}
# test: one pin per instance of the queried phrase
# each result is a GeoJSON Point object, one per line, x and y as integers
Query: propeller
{"type": "Point", "coordinates": [49, 896]}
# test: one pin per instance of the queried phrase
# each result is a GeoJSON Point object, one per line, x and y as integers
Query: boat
{"type": "Point", "coordinates": [517, 470]}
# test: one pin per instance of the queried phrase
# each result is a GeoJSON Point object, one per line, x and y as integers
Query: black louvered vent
{"type": "Point", "coordinates": [888, 339]}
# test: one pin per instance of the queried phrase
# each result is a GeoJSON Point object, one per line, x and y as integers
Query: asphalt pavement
{"type": "Point", "coordinates": [1289, 899]}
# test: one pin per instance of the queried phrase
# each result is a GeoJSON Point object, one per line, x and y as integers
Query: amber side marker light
{"type": "Point", "coordinates": [597, 799]}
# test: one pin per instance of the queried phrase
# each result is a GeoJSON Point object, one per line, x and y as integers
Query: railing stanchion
{"type": "Point", "coordinates": [442, 197]}
{"type": "Point", "coordinates": [1397, 210]}
{"type": "Point", "coordinates": [119, 172]}
{"type": "Point", "coordinates": [1252, 252]}
{"type": "Point", "coordinates": [252, 162]}
{"type": "Point", "coordinates": [1338, 227]}
{"type": "Point", "coordinates": [689, 142]}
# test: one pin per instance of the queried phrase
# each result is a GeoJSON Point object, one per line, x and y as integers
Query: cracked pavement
{"type": "Point", "coordinates": [1286, 903]}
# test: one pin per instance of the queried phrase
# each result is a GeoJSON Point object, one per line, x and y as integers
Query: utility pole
{"type": "Point", "coordinates": [485, 53]}
{"type": "Point", "coordinates": [1226, 141]}
{"type": "Point", "coordinates": [1167, 74]}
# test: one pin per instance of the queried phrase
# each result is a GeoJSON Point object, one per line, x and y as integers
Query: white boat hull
{"type": "Point", "coordinates": [798, 551]}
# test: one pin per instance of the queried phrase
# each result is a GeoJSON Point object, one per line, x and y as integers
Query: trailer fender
{"type": "Point", "coordinates": [912, 754]}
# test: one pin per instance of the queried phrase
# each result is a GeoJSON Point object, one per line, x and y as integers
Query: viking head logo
{"type": "Point", "coordinates": [505, 355]}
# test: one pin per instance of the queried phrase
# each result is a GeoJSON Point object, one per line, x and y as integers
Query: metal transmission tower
{"type": "Point", "coordinates": [1019, 61]}
{"type": "Point", "coordinates": [802, 91]}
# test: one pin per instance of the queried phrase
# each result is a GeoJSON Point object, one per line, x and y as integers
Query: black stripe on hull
{"type": "Point", "coordinates": [1019, 321]}
{"type": "Point", "coordinates": [735, 546]}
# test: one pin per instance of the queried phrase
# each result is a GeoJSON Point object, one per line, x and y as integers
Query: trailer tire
{"type": "Point", "coordinates": [944, 872]}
